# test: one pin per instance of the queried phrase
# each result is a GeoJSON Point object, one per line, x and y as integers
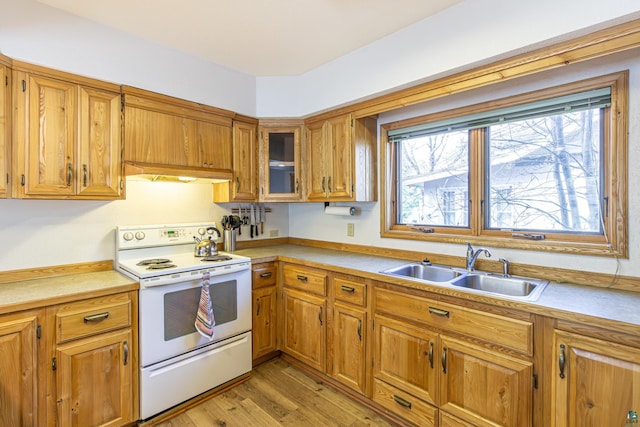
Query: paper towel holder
{"type": "Point", "coordinates": [339, 210]}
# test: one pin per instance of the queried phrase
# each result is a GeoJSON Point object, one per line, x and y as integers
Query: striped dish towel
{"type": "Point", "coordinates": [204, 318]}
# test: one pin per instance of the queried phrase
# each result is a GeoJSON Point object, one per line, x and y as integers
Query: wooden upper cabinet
{"type": "Point", "coordinates": [170, 136]}
{"type": "Point", "coordinates": [5, 129]}
{"type": "Point", "coordinates": [67, 136]}
{"type": "Point", "coordinates": [245, 158]}
{"type": "Point", "coordinates": [214, 143]}
{"type": "Point", "coordinates": [99, 165]}
{"type": "Point", "coordinates": [316, 182]}
{"type": "Point", "coordinates": [341, 160]}
{"type": "Point", "coordinates": [280, 167]}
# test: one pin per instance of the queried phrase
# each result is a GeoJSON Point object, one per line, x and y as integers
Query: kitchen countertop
{"type": "Point", "coordinates": [618, 310]}
{"type": "Point", "coordinates": [595, 305]}
{"type": "Point", "coordinates": [36, 293]}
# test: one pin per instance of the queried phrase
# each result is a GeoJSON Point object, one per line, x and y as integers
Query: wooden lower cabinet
{"type": "Point", "coordinates": [94, 380]}
{"type": "Point", "coordinates": [304, 330]}
{"type": "Point", "coordinates": [483, 387]}
{"type": "Point", "coordinates": [264, 321]}
{"type": "Point", "coordinates": [596, 382]}
{"type": "Point", "coordinates": [264, 329]}
{"type": "Point", "coordinates": [94, 362]}
{"type": "Point", "coordinates": [349, 346]}
{"type": "Point", "coordinates": [429, 373]}
{"type": "Point", "coordinates": [404, 357]}
{"type": "Point", "coordinates": [19, 369]}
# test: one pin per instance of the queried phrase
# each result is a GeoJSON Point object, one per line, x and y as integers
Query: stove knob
{"type": "Point", "coordinates": [201, 231]}
{"type": "Point", "coordinates": [127, 236]}
{"type": "Point", "coordinates": [140, 235]}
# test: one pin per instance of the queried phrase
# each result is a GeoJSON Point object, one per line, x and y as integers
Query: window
{"type": "Point", "coordinates": [540, 169]}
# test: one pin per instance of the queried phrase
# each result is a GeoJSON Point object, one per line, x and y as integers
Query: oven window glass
{"type": "Point", "coordinates": [180, 308]}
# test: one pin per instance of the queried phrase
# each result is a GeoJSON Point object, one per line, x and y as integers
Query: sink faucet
{"type": "Point", "coordinates": [473, 255]}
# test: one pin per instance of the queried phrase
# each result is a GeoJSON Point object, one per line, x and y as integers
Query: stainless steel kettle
{"type": "Point", "coordinates": [206, 247]}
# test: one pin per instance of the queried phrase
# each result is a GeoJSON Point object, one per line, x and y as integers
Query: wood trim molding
{"type": "Point", "coordinates": [62, 75]}
{"type": "Point", "coordinates": [55, 270]}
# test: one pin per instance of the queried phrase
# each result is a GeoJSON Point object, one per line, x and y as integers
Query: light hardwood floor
{"type": "Point", "coordinates": [278, 394]}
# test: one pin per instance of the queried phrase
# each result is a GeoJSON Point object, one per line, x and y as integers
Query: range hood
{"type": "Point", "coordinates": [176, 173]}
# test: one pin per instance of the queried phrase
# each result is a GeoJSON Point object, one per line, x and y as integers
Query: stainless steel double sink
{"type": "Point", "coordinates": [522, 288]}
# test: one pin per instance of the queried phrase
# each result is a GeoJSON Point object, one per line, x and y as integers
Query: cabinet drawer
{"type": "Point", "coordinates": [404, 404]}
{"type": "Point", "coordinates": [350, 291]}
{"type": "Point", "coordinates": [505, 331]}
{"type": "Point", "coordinates": [93, 316]}
{"type": "Point", "coordinates": [264, 274]}
{"type": "Point", "coordinates": [305, 279]}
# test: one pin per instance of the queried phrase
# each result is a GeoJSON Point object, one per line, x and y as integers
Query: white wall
{"type": "Point", "coordinates": [54, 232]}
{"type": "Point", "coordinates": [40, 34]}
{"type": "Point", "coordinates": [367, 224]}
{"type": "Point", "coordinates": [467, 33]}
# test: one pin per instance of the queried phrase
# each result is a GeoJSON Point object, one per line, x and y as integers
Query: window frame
{"type": "Point", "coordinates": [614, 156]}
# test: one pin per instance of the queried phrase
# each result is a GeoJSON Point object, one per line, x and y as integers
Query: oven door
{"type": "Point", "coordinates": [168, 313]}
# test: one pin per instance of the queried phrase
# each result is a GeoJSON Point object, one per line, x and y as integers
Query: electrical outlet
{"type": "Point", "coordinates": [350, 229]}
{"type": "Point", "coordinates": [273, 233]}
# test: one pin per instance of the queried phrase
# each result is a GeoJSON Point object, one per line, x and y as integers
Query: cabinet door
{"type": "Point", "coordinates": [18, 367]}
{"type": "Point", "coordinates": [5, 139]}
{"type": "Point", "coordinates": [157, 138]}
{"type": "Point", "coordinates": [215, 145]}
{"type": "Point", "coordinates": [50, 137]}
{"type": "Point", "coordinates": [483, 387]}
{"type": "Point", "coordinates": [349, 338]}
{"type": "Point", "coordinates": [340, 161]}
{"type": "Point", "coordinates": [264, 321]}
{"type": "Point", "coordinates": [316, 182]}
{"type": "Point", "coordinates": [596, 382]}
{"type": "Point", "coordinates": [244, 185]}
{"type": "Point", "coordinates": [304, 330]}
{"type": "Point", "coordinates": [98, 171]}
{"type": "Point", "coordinates": [404, 357]}
{"type": "Point", "coordinates": [280, 148]}
{"type": "Point", "coordinates": [94, 380]}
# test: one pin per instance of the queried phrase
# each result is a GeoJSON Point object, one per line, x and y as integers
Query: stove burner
{"type": "Point", "coordinates": [216, 258]}
{"type": "Point", "coordinates": [160, 266]}
{"type": "Point", "coordinates": [154, 261]}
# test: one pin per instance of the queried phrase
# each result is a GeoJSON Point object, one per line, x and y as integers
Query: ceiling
{"type": "Point", "coordinates": [258, 37]}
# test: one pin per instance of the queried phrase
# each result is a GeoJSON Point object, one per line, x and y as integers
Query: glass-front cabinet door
{"type": "Point", "coordinates": [280, 164]}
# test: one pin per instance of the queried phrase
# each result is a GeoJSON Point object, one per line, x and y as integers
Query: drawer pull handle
{"type": "Point", "coordinates": [349, 289]}
{"type": "Point", "coordinates": [438, 312]}
{"type": "Point", "coordinates": [444, 360]}
{"type": "Point", "coordinates": [400, 401]}
{"type": "Point", "coordinates": [561, 361]}
{"type": "Point", "coordinates": [431, 354]}
{"type": "Point", "coordinates": [125, 347]}
{"type": "Point", "coordinates": [302, 278]}
{"type": "Point", "coordinates": [268, 274]}
{"type": "Point", "coordinates": [96, 317]}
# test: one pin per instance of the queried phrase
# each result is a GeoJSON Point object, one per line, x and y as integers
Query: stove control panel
{"type": "Point", "coordinates": [145, 236]}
